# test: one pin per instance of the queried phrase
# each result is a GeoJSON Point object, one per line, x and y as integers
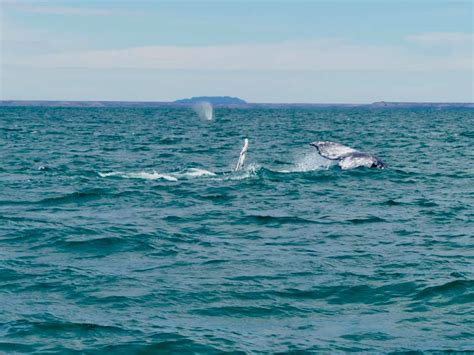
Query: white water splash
{"type": "Point", "coordinates": [204, 110]}
{"type": "Point", "coordinates": [245, 173]}
{"type": "Point", "coordinates": [189, 173]}
{"type": "Point", "coordinates": [194, 172]}
{"type": "Point", "coordinates": [140, 175]}
{"type": "Point", "coordinates": [309, 162]}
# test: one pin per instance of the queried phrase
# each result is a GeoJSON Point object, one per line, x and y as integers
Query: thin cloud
{"type": "Point", "coordinates": [58, 10]}
{"type": "Point", "coordinates": [442, 38]}
{"type": "Point", "coordinates": [314, 56]}
{"type": "Point", "coordinates": [39, 8]}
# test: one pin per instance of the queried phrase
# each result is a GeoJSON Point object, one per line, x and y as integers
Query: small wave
{"type": "Point", "coordinates": [247, 311]}
{"type": "Point", "coordinates": [165, 343]}
{"type": "Point", "coordinates": [371, 219]}
{"type": "Point", "coordinates": [451, 288]}
{"type": "Point", "coordinates": [268, 219]}
{"type": "Point", "coordinates": [469, 134]}
{"type": "Point", "coordinates": [74, 197]}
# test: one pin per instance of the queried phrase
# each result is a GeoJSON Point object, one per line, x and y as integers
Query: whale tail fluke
{"type": "Point", "coordinates": [332, 150]}
{"type": "Point", "coordinates": [347, 157]}
{"type": "Point", "coordinates": [243, 155]}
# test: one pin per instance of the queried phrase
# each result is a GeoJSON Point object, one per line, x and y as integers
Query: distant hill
{"type": "Point", "coordinates": [215, 100]}
{"type": "Point", "coordinates": [422, 104]}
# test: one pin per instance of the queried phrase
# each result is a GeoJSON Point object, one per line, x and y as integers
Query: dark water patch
{"type": "Point", "coordinates": [15, 202]}
{"type": "Point", "coordinates": [277, 220]}
{"type": "Point", "coordinates": [115, 301]}
{"type": "Point", "coordinates": [391, 202]}
{"type": "Point", "coordinates": [215, 262]}
{"type": "Point", "coordinates": [425, 203]}
{"type": "Point", "coordinates": [170, 140]}
{"type": "Point", "coordinates": [370, 219]}
{"type": "Point", "coordinates": [247, 311]}
{"type": "Point", "coordinates": [257, 278]}
{"type": "Point", "coordinates": [75, 197]}
{"type": "Point", "coordinates": [52, 326]}
{"type": "Point", "coordinates": [353, 294]}
{"type": "Point", "coordinates": [469, 134]}
{"type": "Point", "coordinates": [216, 197]}
{"type": "Point", "coordinates": [368, 336]}
{"type": "Point", "coordinates": [163, 344]}
{"type": "Point", "coordinates": [9, 275]}
{"type": "Point", "coordinates": [304, 294]}
{"type": "Point", "coordinates": [141, 149]}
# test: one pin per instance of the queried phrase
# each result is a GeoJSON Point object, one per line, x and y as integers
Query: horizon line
{"type": "Point", "coordinates": [174, 102]}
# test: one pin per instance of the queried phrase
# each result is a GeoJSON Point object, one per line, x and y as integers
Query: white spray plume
{"type": "Point", "coordinates": [204, 110]}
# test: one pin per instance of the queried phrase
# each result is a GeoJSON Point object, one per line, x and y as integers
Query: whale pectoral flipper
{"type": "Point", "coordinates": [243, 155]}
{"type": "Point", "coordinates": [332, 150]}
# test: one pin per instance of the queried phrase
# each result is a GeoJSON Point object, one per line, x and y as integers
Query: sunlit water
{"type": "Point", "coordinates": [126, 230]}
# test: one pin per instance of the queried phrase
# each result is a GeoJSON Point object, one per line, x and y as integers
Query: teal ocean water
{"type": "Point", "coordinates": [126, 230]}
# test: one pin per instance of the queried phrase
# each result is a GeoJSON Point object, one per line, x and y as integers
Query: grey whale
{"type": "Point", "coordinates": [348, 158]}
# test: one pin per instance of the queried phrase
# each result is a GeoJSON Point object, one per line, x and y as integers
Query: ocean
{"type": "Point", "coordinates": [126, 230]}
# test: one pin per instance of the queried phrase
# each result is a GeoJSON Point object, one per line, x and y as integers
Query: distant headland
{"type": "Point", "coordinates": [214, 100]}
{"type": "Point", "coordinates": [229, 102]}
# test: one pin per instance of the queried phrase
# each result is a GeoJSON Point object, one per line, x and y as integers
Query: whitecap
{"type": "Point", "coordinates": [195, 172]}
{"type": "Point", "coordinates": [140, 175]}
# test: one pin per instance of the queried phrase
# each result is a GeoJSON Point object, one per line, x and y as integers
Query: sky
{"type": "Point", "coordinates": [338, 51]}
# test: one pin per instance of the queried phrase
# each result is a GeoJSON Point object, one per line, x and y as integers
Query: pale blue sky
{"type": "Point", "coordinates": [262, 51]}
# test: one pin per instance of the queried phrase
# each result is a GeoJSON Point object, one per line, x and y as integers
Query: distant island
{"type": "Point", "coordinates": [214, 100]}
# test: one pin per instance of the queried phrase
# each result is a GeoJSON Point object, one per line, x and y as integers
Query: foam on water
{"type": "Point", "coordinates": [195, 172]}
{"type": "Point", "coordinates": [139, 175]}
{"type": "Point", "coordinates": [189, 173]}
{"type": "Point", "coordinates": [248, 171]}
{"type": "Point", "coordinates": [307, 162]}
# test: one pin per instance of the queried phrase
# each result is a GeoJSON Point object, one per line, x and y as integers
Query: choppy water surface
{"type": "Point", "coordinates": [125, 229]}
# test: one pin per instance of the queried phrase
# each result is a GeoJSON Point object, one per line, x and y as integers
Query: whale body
{"type": "Point", "coordinates": [347, 157]}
